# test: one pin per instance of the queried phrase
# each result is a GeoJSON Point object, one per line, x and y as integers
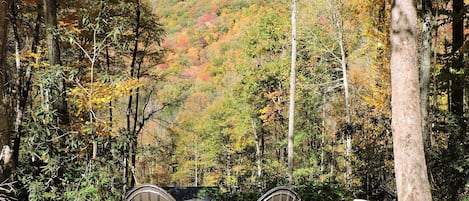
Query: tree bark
{"type": "Point", "coordinates": [409, 157]}
{"type": "Point", "coordinates": [291, 113]}
{"type": "Point", "coordinates": [50, 10]}
{"type": "Point", "coordinates": [5, 122]}
{"type": "Point", "coordinates": [50, 7]}
{"type": "Point", "coordinates": [425, 65]}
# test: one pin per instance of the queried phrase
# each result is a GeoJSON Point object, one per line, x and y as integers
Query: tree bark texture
{"type": "Point", "coordinates": [409, 157]}
{"type": "Point", "coordinates": [425, 65]}
{"type": "Point", "coordinates": [5, 122]}
{"type": "Point", "coordinates": [50, 7]}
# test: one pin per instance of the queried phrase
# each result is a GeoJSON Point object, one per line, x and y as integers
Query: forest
{"type": "Point", "coordinates": [100, 96]}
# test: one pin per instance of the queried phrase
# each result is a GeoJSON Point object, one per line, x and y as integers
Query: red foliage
{"type": "Point", "coordinates": [191, 72]}
{"type": "Point", "coordinates": [199, 72]}
{"type": "Point", "coordinates": [204, 19]}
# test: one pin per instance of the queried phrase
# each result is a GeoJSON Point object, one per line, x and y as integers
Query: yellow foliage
{"type": "Point", "coordinates": [96, 96]}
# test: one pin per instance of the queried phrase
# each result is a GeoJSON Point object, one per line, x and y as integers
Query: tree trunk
{"type": "Point", "coordinates": [291, 113]}
{"type": "Point", "coordinates": [323, 135]}
{"type": "Point", "coordinates": [409, 157]}
{"type": "Point", "coordinates": [348, 131]}
{"type": "Point", "coordinates": [50, 7]}
{"type": "Point", "coordinates": [50, 10]}
{"type": "Point", "coordinates": [23, 81]}
{"type": "Point", "coordinates": [425, 63]}
{"type": "Point", "coordinates": [457, 87]}
{"type": "Point", "coordinates": [131, 128]}
{"type": "Point", "coordinates": [5, 122]}
{"type": "Point", "coordinates": [258, 150]}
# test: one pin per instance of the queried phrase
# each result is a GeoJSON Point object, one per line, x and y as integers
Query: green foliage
{"type": "Point", "coordinates": [312, 190]}
{"type": "Point", "coordinates": [54, 163]}
{"type": "Point", "coordinates": [267, 36]}
{"type": "Point", "coordinates": [103, 182]}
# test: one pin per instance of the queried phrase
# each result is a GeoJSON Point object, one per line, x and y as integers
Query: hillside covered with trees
{"type": "Point", "coordinates": [102, 96]}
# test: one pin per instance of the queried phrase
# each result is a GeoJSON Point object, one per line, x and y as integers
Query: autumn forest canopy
{"type": "Point", "coordinates": [100, 96]}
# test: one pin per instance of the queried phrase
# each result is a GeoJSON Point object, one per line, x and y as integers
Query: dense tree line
{"type": "Point", "coordinates": [343, 50]}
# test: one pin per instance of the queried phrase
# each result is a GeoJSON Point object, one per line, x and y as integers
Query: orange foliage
{"type": "Point", "coordinates": [182, 40]}
{"type": "Point", "coordinates": [204, 76]}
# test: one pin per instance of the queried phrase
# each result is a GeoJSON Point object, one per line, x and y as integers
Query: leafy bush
{"type": "Point", "coordinates": [313, 190]}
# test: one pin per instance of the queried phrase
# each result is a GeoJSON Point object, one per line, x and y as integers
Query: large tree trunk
{"type": "Point", "coordinates": [291, 118]}
{"type": "Point", "coordinates": [5, 122]}
{"type": "Point", "coordinates": [409, 157]}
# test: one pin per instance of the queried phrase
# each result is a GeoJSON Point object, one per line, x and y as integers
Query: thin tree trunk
{"type": "Point", "coordinates": [108, 65]}
{"type": "Point", "coordinates": [19, 106]}
{"type": "Point", "coordinates": [434, 81]}
{"type": "Point", "coordinates": [258, 150]}
{"type": "Point", "coordinates": [409, 157]}
{"type": "Point", "coordinates": [323, 136]}
{"type": "Point", "coordinates": [343, 63]}
{"type": "Point", "coordinates": [196, 171]}
{"type": "Point", "coordinates": [425, 63]}
{"type": "Point", "coordinates": [23, 82]}
{"type": "Point", "coordinates": [291, 118]}
{"type": "Point", "coordinates": [131, 129]}
{"type": "Point", "coordinates": [5, 123]}
{"type": "Point", "coordinates": [348, 132]}
{"type": "Point", "coordinates": [135, 132]}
